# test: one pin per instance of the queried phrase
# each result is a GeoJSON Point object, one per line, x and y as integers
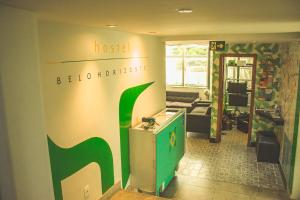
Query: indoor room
{"type": "Point", "coordinates": [139, 100]}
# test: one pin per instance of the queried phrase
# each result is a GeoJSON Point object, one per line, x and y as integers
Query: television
{"type": "Point", "coordinates": [237, 87]}
{"type": "Point", "coordinates": [235, 99]}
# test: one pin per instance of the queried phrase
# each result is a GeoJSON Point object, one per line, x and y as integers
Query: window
{"type": "Point", "coordinates": [187, 65]}
{"type": "Point", "coordinates": [239, 69]}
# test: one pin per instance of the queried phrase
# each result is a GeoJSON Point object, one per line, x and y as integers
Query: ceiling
{"type": "Point", "coordinates": [160, 16]}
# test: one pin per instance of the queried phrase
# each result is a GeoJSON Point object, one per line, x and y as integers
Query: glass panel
{"type": "Point", "coordinates": [248, 60]}
{"type": "Point", "coordinates": [249, 85]}
{"type": "Point", "coordinates": [231, 72]}
{"type": "Point", "coordinates": [174, 50]}
{"type": "Point", "coordinates": [246, 73]}
{"type": "Point", "coordinates": [196, 50]}
{"type": "Point", "coordinates": [174, 71]}
{"type": "Point", "coordinates": [196, 71]}
{"type": "Point", "coordinates": [231, 61]}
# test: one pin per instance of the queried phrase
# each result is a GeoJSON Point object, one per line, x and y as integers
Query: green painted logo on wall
{"type": "Point", "coordinates": [126, 104]}
{"type": "Point", "coordinates": [66, 161]}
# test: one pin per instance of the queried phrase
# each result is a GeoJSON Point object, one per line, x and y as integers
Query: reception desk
{"type": "Point", "coordinates": [155, 152]}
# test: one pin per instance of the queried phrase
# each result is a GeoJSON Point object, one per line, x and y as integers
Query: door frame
{"type": "Point", "coordinates": [221, 93]}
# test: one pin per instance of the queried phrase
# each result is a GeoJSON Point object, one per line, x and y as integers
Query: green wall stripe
{"type": "Point", "coordinates": [127, 101]}
{"type": "Point", "coordinates": [295, 137]}
{"type": "Point", "coordinates": [67, 161]}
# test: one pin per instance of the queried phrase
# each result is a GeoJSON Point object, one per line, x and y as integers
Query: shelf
{"type": "Point", "coordinates": [240, 66]}
{"type": "Point", "coordinates": [276, 118]}
{"type": "Point", "coordinates": [262, 87]}
{"type": "Point", "coordinates": [235, 79]}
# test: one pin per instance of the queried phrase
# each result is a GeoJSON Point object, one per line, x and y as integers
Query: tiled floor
{"type": "Point", "coordinates": [128, 195]}
{"type": "Point", "coordinates": [195, 188]}
{"type": "Point", "coordinates": [229, 161]}
{"type": "Point", "coordinates": [225, 171]}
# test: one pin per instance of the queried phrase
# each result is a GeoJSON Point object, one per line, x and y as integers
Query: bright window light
{"type": "Point", "coordinates": [187, 65]}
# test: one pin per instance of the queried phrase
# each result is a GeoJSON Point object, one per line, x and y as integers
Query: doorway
{"type": "Point", "coordinates": [236, 93]}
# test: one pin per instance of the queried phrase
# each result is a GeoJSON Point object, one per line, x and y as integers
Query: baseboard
{"type": "Point", "coordinates": [283, 177]}
{"type": "Point", "coordinates": [111, 191]}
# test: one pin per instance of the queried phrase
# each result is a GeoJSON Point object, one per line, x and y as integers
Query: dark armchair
{"type": "Point", "coordinates": [199, 120]}
{"type": "Point", "coordinates": [198, 112]}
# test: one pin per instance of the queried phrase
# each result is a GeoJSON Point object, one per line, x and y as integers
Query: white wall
{"type": "Point", "coordinates": [7, 189]}
{"type": "Point", "coordinates": [78, 110]}
{"type": "Point", "coordinates": [73, 112]}
{"type": "Point", "coordinates": [22, 114]}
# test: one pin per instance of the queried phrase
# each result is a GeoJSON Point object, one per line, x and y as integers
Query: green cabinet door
{"type": "Point", "coordinates": [169, 150]}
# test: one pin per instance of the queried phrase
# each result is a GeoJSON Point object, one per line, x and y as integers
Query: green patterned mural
{"type": "Point", "coordinates": [266, 52]}
{"type": "Point", "coordinates": [284, 59]}
{"type": "Point", "coordinates": [127, 101]}
{"type": "Point", "coordinates": [289, 98]}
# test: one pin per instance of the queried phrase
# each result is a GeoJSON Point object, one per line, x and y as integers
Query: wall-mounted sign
{"type": "Point", "coordinates": [64, 79]}
{"type": "Point", "coordinates": [217, 45]}
{"type": "Point", "coordinates": [112, 49]}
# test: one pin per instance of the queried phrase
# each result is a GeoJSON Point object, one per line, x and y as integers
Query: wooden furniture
{"type": "Point", "coordinates": [234, 67]}
{"type": "Point", "coordinates": [155, 152]}
{"type": "Point", "coordinates": [275, 118]}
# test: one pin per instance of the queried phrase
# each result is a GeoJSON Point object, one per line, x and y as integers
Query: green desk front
{"type": "Point", "coordinates": [169, 151]}
{"type": "Point", "coordinates": [155, 154]}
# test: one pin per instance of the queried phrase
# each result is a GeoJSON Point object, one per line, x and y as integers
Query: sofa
{"type": "Point", "coordinates": [186, 100]}
{"type": "Point", "coordinates": [199, 119]}
{"type": "Point", "coordinates": [198, 112]}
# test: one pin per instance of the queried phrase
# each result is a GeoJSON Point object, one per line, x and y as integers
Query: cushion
{"type": "Point", "coordinates": [266, 133]}
{"type": "Point", "coordinates": [180, 105]}
{"type": "Point", "coordinates": [180, 99]}
{"type": "Point", "coordinates": [188, 97]}
{"type": "Point", "coordinates": [200, 110]}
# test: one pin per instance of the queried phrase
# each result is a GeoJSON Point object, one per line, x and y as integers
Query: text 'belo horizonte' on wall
{"type": "Point", "coordinates": [100, 74]}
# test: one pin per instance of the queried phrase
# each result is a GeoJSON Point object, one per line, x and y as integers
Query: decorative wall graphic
{"type": "Point", "coordinates": [215, 91]}
{"type": "Point", "coordinates": [127, 100]}
{"type": "Point", "coordinates": [69, 79]}
{"type": "Point", "coordinates": [67, 161]}
{"type": "Point", "coordinates": [242, 48]}
{"type": "Point", "coordinates": [288, 101]}
{"type": "Point", "coordinates": [82, 89]}
{"type": "Point", "coordinates": [277, 81]}
{"type": "Point", "coordinates": [268, 67]}
{"type": "Point", "coordinates": [263, 51]}
{"type": "Point", "coordinates": [267, 48]}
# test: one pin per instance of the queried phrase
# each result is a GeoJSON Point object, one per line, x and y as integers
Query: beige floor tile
{"type": "Point", "coordinates": [225, 171]}
{"type": "Point", "coordinates": [128, 195]}
{"type": "Point", "coordinates": [192, 192]}
{"type": "Point", "coordinates": [230, 196]}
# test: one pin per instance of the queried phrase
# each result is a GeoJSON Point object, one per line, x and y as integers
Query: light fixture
{"type": "Point", "coordinates": [111, 25]}
{"type": "Point", "coordinates": [184, 10]}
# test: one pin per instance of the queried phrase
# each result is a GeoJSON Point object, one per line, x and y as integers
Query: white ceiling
{"type": "Point", "coordinates": [160, 16]}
